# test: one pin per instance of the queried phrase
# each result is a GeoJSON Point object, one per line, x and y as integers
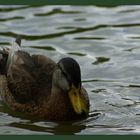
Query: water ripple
{"type": "Point", "coordinates": [57, 11]}
{"type": "Point", "coordinates": [12, 18]}
{"type": "Point", "coordinates": [74, 31]}
{"type": "Point", "coordinates": [14, 8]}
{"type": "Point", "coordinates": [49, 48]}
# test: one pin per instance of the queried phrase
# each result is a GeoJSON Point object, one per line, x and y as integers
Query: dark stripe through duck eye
{"type": "Point", "coordinates": [65, 75]}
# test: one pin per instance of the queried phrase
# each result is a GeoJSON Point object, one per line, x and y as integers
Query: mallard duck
{"type": "Point", "coordinates": [37, 86]}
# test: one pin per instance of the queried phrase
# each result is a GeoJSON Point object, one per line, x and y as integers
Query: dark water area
{"type": "Point", "coordinates": [106, 43]}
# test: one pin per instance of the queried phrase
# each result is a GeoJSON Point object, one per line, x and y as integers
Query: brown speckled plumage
{"type": "Point", "coordinates": [27, 87]}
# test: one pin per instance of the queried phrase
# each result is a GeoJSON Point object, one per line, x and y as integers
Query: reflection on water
{"type": "Point", "coordinates": [105, 42]}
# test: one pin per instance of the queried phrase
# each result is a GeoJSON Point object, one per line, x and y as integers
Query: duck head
{"type": "Point", "coordinates": [67, 77]}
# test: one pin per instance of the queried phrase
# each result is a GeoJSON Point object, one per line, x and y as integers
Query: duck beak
{"type": "Point", "coordinates": [77, 100]}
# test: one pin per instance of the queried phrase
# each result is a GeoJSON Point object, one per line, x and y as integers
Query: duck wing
{"type": "Point", "coordinates": [29, 77]}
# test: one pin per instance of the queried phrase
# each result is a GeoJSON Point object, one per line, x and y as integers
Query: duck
{"type": "Point", "coordinates": [37, 86]}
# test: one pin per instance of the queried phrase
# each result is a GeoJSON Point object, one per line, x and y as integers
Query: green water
{"type": "Point", "coordinates": [106, 43]}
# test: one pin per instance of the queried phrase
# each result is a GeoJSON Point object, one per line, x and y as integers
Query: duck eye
{"type": "Point", "coordinates": [64, 74]}
{"type": "Point", "coordinates": [62, 71]}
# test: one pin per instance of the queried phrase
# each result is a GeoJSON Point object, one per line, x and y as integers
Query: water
{"type": "Point", "coordinates": [106, 43]}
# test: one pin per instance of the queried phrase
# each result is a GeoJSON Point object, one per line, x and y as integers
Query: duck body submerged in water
{"type": "Point", "coordinates": [39, 87]}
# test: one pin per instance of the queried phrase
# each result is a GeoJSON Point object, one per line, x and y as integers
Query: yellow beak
{"type": "Point", "coordinates": [77, 100]}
